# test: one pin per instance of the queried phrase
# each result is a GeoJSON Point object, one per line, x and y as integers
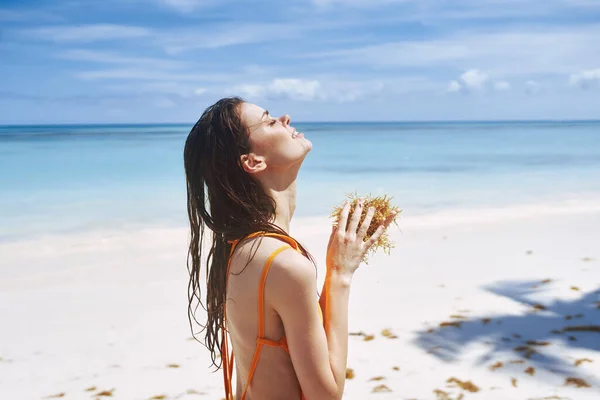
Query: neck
{"type": "Point", "coordinates": [284, 195]}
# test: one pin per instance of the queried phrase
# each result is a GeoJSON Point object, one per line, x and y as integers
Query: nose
{"type": "Point", "coordinates": [285, 119]}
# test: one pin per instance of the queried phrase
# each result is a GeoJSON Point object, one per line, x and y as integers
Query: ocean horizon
{"type": "Point", "coordinates": [401, 122]}
{"type": "Point", "coordinates": [77, 177]}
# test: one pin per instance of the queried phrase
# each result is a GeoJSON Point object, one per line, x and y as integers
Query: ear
{"type": "Point", "coordinates": [253, 163]}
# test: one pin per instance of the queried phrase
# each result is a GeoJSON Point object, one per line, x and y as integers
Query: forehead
{"type": "Point", "coordinates": [252, 114]}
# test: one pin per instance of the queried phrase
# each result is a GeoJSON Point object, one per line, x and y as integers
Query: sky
{"type": "Point", "coordinates": [165, 61]}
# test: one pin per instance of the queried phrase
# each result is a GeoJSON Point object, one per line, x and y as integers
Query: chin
{"type": "Point", "coordinates": [308, 144]}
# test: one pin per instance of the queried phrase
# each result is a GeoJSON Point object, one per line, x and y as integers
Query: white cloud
{"type": "Point", "coordinates": [112, 58]}
{"type": "Point", "coordinates": [293, 89]}
{"type": "Point", "coordinates": [474, 79]}
{"type": "Point", "coordinates": [185, 6]}
{"type": "Point", "coordinates": [585, 79]}
{"type": "Point", "coordinates": [179, 41]}
{"type": "Point", "coordinates": [26, 15]}
{"type": "Point", "coordinates": [87, 33]}
{"type": "Point", "coordinates": [164, 103]}
{"type": "Point", "coordinates": [337, 91]}
{"type": "Point", "coordinates": [149, 74]}
{"type": "Point", "coordinates": [296, 89]}
{"type": "Point", "coordinates": [532, 87]}
{"type": "Point", "coordinates": [356, 3]}
{"type": "Point", "coordinates": [454, 87]}
{"type": "Point", "coordinates": [150, 89]}
{"type": "Point", "coordinates": [349, 91]}
{"type": "Point", "coordinates": [501, 86]}
{"type": "Point", "coordinates": [510, 53]}
{"type": "Point", "coordinates": [471, 80]}
{"type": "Point", "coordinates": [249, 90]}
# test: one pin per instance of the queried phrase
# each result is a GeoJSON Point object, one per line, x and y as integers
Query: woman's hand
{"type": "Point", "coordinates": [347, 247]}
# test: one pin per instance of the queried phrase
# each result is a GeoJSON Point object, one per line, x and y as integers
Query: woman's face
{"type": "Point", "coordinates": [274, 138]}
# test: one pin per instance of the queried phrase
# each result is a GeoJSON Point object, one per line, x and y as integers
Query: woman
{"type": "Point", "coordinates": [241, 166]}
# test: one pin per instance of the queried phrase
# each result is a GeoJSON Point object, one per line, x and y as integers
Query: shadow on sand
{"type": "Point", "coordinates": [529, 337]}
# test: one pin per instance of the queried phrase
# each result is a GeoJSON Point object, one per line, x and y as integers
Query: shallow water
{"type": "Point", "coordinates": [69, 178]}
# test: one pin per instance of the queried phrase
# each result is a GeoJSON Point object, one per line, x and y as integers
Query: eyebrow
{"type": "Point", "coordinates": [263, 114]}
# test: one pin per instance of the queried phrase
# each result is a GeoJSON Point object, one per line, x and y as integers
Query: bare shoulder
{"type": "Point", "coordinates": [288, 264]}
{"type": "Point", "coordinates": [291, 274]}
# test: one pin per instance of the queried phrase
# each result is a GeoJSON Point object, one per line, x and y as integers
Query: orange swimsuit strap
{"type": "Point", "coordinates": [228, 357]}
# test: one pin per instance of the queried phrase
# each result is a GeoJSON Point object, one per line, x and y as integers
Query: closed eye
{"type": "Point", "coordinates": [272, 122]}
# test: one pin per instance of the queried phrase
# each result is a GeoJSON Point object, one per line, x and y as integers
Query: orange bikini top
{"type": "Point", "coordinates": [261, 341]}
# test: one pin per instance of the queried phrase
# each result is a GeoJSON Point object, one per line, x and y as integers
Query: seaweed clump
{"type": "Point", "coordinates": [383, 209]}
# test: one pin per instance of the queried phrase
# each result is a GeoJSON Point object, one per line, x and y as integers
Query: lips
{"type": "Point", "coordinates": [296, 135]}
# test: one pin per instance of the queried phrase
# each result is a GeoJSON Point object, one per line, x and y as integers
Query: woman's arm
{"type": "Point", "coordinates": [319, 355]}
{"type": "Point", "coordinates": [323, 302]}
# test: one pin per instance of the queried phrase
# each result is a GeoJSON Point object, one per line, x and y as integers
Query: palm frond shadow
{"type": "Point", "coordinates": [529, 337]}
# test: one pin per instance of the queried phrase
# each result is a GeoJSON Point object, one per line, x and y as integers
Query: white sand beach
{"type": "Point", "coordinates": [106, 312]}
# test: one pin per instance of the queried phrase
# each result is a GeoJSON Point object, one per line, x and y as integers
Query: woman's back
{"type": "Point", "coordinates": [273, 373]}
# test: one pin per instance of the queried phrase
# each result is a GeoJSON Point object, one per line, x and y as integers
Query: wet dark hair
{"type": "Point", "coordinates": [227, 200]}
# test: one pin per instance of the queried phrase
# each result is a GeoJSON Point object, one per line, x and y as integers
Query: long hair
{"type": "Point", "coordinates": [227, 200]}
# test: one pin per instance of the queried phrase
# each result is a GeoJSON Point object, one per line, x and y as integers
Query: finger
{"type": "Point", "coordinates": [364, 227]}
{"type": "Point", "coordinates": [355, 217]}
{"type": "Point", "coordinates": [390, 218]}
{"type": "Point", "coordinates": [375, 237]}
{"type": "Point", "coordinates": [344, 217]}
{"type": "Point", "coordinates": [333, 229]}
{"type": "Point", "coordinates": [381, 229]}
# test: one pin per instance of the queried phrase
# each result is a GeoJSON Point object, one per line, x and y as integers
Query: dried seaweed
{"type": "Point", "coordinates": [388, 334]}
{"type": "Point", "coordinates": [581, 361]}
{"type": "Point", "coordinates": [530, 371]}
{"type": "Point", "coordinates": [56, 396]}
{"type": "Point", "coordinates": [381, 389]}
{"type": "Point", "coordinates": [528, 351]}
{"type": "Point", "coordinates": [361, 333]}
{"type": "Point", "coordinates": [496, 366]}
{"type": "Point", "coordinates": [455, 324]}
{"type": "Point", "coordinates": [368, 338]}
{"type": "Point", "coordinates": [578, 382]}
{"type": "Point", "coordinates": [383, 209]}
{"type": "Point", "coordinates": [582, 328]}
{"type": "Point", "coordinates": [349, 373]}
{"type": "Point", "coordinates": [536, 343]}
{"type": "Point", "coordinates": [193, 391]}
{"type": "Point", "coordinates": [464, 385]}
{"type": "Point", "coordinates": [377, 378]}
{"type": "Point", "coordinates": [105, 393]}
{"type": "Point", "coordinates": [513, 381]}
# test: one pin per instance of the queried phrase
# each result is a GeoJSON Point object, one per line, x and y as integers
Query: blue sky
{"type": "Point", "coordinates": [104, 61]}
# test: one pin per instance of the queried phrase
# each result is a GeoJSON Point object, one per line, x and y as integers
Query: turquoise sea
{"type": "Point", "coordinates": [68, 178]}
